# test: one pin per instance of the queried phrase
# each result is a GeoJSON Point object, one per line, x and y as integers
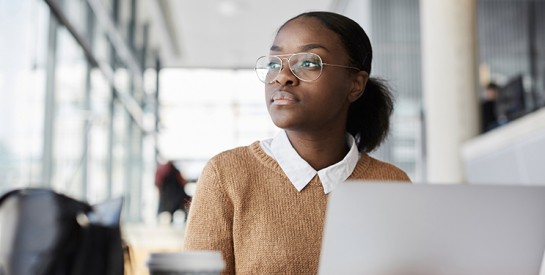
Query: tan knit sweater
{"type": "Point", "coordinates": [245, 207]}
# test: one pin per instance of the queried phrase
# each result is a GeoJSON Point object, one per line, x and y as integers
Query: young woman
{"type": "Point", "coordinates": [263, 205]}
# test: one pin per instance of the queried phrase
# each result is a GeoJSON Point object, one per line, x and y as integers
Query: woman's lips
{"type": "Point", "coordinates": [283, 98]}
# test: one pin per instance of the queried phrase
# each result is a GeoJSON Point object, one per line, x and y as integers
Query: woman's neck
{"type": "Point", "coordinates": [320, 151]}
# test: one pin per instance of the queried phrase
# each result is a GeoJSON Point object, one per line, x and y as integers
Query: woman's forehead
{"type": "Point", "coordinates": [304, 31]}
{"type": "Point", "coordinates": [304, 27]}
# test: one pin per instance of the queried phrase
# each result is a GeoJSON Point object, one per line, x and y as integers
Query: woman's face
{"type": "Point", "coordinates": [323, 103]}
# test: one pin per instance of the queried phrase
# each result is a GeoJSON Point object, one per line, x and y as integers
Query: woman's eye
{"type": "Point", "coordinates": [310, 64]}
{"type": "Point", "coordinates": [274, 65]}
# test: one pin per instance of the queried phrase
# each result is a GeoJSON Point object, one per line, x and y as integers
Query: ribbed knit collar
{"type": "Point", "coordinates": [300, 173]}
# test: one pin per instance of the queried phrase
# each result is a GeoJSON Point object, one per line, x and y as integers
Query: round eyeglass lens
{"type": "Point", "coordinates": [267, 68]}
{"type": "Point", "coordinates": [306, 66]}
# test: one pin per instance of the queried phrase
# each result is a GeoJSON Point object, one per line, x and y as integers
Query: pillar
{"type": "Point", "coordinates": [448, 29]}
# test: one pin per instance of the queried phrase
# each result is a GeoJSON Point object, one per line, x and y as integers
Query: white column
{"type": "Point", "coordinates": [449, 83]}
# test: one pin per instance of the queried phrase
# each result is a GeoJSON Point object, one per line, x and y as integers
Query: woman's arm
{"type": "Point", "coordinates": [210, 220]}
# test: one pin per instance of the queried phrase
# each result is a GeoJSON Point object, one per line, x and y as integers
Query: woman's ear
{"type": "Point", "coordinates": [358, 86]}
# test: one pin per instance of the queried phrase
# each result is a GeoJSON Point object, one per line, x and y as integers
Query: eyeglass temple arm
{"type": "Point", "coordinates": [341, 66]}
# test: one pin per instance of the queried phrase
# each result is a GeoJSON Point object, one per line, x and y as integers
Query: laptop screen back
{"type": "Point", "coordinates": [392, 228]}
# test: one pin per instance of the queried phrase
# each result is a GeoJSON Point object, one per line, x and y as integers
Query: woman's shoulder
{"type": "Point", "coordinates": [241, 152]}
{"type": "Point", "coordinates": [378, 169]}
{"type": "Point", "coordinates": [221, 168]}
{"type": "Point", "coordinates": [242, 155]}
{"type": "Point", "coordinates": [237, 168]}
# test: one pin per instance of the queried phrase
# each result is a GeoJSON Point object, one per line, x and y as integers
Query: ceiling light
{"type": "Point", "coordinates": [228, 8]}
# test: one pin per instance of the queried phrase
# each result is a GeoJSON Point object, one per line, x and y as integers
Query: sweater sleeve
{"type": "Point", "coordinates": [210, 220]}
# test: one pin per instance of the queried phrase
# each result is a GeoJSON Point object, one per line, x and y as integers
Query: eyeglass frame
{"type": "Point", "coordinates": [279, 56]}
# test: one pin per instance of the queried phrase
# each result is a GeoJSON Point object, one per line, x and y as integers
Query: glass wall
{"type": "Point", "coordinates": [397, 59]}
{"type": "Point", "coordinates": [23, 52]}
{"type": "Point", "coordinates": [511, 48]}
{"type": "Point", "coordinates": [72, 102]}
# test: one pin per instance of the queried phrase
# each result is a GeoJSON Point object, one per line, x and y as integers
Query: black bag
{"type": "Point", "coordinates": [46, 233]}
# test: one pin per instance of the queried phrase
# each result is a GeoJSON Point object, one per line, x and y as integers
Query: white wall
{"type": "Point", "coordinates": [512, 154]}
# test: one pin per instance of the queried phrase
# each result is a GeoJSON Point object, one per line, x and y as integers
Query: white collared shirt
{"type": "Point", "coordinates": [300, 172]}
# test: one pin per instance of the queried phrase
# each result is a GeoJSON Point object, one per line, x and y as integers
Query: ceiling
{"type": "Point", "coordinates": [224, 33]}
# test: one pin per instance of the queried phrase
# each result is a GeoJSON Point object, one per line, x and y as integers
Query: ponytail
{"type": "Point", "coordinates": [369, 116]}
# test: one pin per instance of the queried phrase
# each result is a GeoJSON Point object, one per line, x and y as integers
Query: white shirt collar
{"type": "Point", "coordinates": [300, 173]}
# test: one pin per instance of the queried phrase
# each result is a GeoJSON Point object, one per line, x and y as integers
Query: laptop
{"type": "Point", "coordinates": [399, 228]}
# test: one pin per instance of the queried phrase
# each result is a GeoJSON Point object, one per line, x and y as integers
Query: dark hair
{"type": "Point", "coordinates": [492, 85]}
{"type": "Point", "coordinates": [369, 116]}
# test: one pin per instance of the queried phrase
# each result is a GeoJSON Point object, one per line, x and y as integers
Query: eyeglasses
{"type": "Point", "coordinates": [305, 66]}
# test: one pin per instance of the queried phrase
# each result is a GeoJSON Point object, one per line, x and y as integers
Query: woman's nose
{"type": "Point", "coordinates": [285, 76]}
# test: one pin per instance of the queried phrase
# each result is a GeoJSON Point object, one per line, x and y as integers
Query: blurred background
{"type": "Point", "coordinates": [95, 94]}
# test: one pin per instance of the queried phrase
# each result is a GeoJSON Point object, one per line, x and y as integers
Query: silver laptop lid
{"type": "Point", "coordinates": [393, 228]}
